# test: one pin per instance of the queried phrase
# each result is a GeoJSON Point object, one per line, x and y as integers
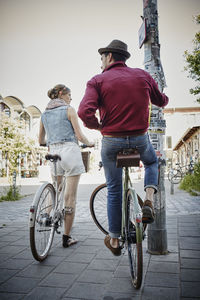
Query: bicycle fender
{"type": "Point", "coordinates": [138, 216]}
{"type": "Point", "coordinates": [139, 232]}
{"type": "Point", "coordinates": [137, 208]}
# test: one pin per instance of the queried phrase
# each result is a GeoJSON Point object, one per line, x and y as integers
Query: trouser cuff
{"type": "Point", "coordinates": [151, 186]}
{"type": "Point", "coordinates": [114, 235]}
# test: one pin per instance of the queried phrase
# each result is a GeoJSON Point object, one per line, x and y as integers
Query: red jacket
{"type": "Point", "coordinates": [122, 95]}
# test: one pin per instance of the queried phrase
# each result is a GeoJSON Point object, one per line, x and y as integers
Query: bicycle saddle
{"type": "Point", "coordinates": [52, 157]}
{"type": "Point", "coordinates": [128, 158]}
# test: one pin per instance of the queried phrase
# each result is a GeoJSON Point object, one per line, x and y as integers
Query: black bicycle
{"type": "Point", "coordinates": [175, 175]}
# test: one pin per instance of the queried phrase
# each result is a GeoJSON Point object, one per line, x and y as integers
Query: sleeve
{"type": "Point", "coordinates": [89, 105]}
{"type": "Point", "coordinates": [157, 98]}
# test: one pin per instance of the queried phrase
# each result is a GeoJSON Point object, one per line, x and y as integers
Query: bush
{"type": "Point", "coordinates": [10, 195]}
{"type": "Point", "coordinates": [191, 182]}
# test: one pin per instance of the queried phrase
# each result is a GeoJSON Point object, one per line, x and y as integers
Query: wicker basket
{"type": "Point", "coordinates": [86, 159]}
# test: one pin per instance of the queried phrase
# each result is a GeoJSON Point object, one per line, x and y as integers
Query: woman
{"type": "Point", "coordinates": [59, 123]}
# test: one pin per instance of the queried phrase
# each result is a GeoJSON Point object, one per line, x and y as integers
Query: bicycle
{"type": "Point", "coordinates": [47, 213]}
{"type": "Point", "coordinates": [132, 229]}
{"type": "Point", "coordinates": [175, 175]}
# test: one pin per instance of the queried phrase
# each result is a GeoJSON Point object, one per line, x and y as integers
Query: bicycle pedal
{"type": "Point", "coordinates": [56, 227]}
{"type": "Point", "coordinates": [57, 231]}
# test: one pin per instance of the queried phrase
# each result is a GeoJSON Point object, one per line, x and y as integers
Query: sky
{"type": "Point", "coordinates": [46, 42]}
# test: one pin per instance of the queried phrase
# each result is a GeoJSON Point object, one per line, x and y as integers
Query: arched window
{"type": "Point", "coordinates": [24, 116]}
{"type": "Point", "coordinates": [6, 109]}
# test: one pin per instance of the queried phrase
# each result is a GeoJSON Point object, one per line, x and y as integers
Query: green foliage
{"type": "Point", "coordinates": [11, 195]}
{"type": "Point", "coordinates": [191, 182]}
{"type": "Point", "coordinates": [13, 141]}
{"type": "Point", "coordinates": [193, 62]}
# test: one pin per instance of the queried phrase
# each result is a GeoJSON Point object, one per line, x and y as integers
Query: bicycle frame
{"type": "Point", "coordinates": [59, 197]}
{"type": "Point", "coordinates": [137, 212]}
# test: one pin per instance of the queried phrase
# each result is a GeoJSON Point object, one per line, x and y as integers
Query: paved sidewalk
{"type": "Point", "coordinates": [88, 270]}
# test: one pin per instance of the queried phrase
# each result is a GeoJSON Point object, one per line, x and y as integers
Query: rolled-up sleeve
{"type": "Point", "coordinates": [89, 105]}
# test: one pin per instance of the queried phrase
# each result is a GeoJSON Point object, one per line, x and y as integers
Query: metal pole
{"type": "Point", "coordinates": [14, 184]}
{"type": "Point", "coordinates": [172, 188]}
{"type": "Point", "coordinates": [157, 232]}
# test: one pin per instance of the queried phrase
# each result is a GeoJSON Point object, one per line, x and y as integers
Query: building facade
{"type": "Point", "coordinates": [181, 123]}
{"type": "Point", "coordinates": [187, 148]}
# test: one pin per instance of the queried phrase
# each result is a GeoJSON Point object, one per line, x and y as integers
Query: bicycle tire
{"type": "Point", "coordinates": [41, 226]}
{"type": "Point", "coordinates": [134, 245]}
{"type": "Point", "coordinates": [169, 175]}
{"type": "Point", "coordinates": [176, 178]}
{"type": "Point", "coordinates": [98, 207]}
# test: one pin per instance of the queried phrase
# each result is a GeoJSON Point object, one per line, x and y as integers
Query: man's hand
{"type": "Point", "coordinates": [100, 127]}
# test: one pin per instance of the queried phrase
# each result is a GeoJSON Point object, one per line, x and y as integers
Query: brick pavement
{"type": "Point", "coordinates": [88, 270]}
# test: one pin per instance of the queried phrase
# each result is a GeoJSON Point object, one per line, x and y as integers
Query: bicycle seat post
{"type": "Point", "coordinates": [56, 178]}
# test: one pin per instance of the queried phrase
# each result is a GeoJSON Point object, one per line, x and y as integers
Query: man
{"type": "Point", "coordinates": [122, 96]}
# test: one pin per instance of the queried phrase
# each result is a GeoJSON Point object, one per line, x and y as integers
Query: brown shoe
{"type": "Point", "coordinates": [115, 251]}
{"type": "Point", "coordinates": [147, 212]}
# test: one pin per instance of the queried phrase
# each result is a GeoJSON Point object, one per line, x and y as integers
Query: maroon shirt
{"type": "Point", "coordinates": [122, 95]}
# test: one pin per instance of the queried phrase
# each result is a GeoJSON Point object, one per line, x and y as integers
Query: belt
{"type": "Point", "coordinates": [124, 136]}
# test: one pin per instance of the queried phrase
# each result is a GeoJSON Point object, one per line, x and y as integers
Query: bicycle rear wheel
{"type": "Point", "coordinates": [98, 207]}
{"type": "Point", "coordinates": [134, 234]}
{"type": "Point", "coordinates": [41, 222]}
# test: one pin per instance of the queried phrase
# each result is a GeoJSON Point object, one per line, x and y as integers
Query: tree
{"type": "Point", "coordinates": [13, 142]}
{"type": "Point", "coordinates": [193, 62]}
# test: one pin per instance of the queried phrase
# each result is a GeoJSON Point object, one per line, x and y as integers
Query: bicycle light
{"type": "Point", "coordinates": [32, 209]}
{"type": "Point", "coordinates": [31, 216]}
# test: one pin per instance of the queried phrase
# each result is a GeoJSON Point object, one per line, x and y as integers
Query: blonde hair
{"type": "Point", "coordinates": [54, 92]}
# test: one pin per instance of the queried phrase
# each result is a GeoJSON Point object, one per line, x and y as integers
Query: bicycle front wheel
{"type": "Point", "coordinates": [98, 207]}
{"type": "Point", "coordinates": [41, 221]}
{"type": "Point", "coordinates": [134, 234]}
{"type": "Point", "coordinates": [176, 178]}
{"type": "Point", "coordinates": [170, 175]}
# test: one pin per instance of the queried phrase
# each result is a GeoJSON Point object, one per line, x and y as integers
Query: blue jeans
{"type": "Point", "coordinates": [110, 147]}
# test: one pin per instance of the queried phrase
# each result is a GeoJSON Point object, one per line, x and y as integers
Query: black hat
{"type": "Point", "coordinates": [117, 47]}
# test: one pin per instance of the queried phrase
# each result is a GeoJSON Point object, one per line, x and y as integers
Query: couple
{"type": "Point", "coordinates": [122, 96]}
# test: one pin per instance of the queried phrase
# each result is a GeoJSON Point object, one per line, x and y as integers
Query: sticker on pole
{"type": "Point", "coordinates": [142, 33]}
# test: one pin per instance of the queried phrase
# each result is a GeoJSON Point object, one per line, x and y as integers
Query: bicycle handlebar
{"type": "Point", "coordinates": [83, 146]}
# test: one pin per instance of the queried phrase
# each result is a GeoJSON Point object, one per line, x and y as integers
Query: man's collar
{"type": "Point", "coordinates": [115, 64]}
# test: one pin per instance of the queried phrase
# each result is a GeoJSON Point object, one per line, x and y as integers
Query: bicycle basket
{"type": "Point", "coordinates": [86, 160]}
